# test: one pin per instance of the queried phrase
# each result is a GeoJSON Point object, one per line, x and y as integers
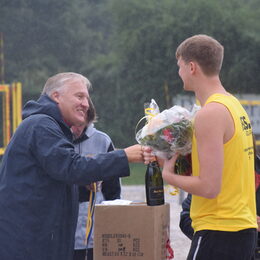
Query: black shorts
{"type": "Point", "coordinates": [222, 245]}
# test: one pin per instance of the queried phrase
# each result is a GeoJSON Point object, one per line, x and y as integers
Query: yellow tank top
{"type": "Point", "coordinates": [234, 208]}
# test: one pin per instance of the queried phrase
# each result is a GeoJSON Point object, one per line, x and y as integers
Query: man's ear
{"type": "Point", "coordinates": [55, 97]}
{"type": "Point", "coordinates": [193, 67]}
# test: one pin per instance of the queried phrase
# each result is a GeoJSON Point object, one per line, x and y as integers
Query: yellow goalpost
{"type": "Point", "coordinates": [11, 100]}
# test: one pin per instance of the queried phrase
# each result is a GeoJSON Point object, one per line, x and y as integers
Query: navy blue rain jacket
{"type": "Point", "coordinates": [38, 195]}
{"type": "Point", "coordinates": [185, 220]}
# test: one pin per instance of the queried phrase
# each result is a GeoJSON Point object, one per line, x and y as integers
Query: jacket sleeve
{"type": "Point", "coordinates": [56, 157]}
{"type": "Point", "coordinates": [185, 220]}
{"type": "Point", "coordinates": [111, 189]}
{"type": "Point", "coordinates": [257, 164]}
{"type": "Point", "coordinates": [257, 177]}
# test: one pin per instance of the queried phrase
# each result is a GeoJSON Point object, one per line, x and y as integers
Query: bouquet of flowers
{"type": "Point", "coordinates": [168, 132]}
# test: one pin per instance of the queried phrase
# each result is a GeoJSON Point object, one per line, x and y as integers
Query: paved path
{"type": "Point", "coordinates": [179, 242]}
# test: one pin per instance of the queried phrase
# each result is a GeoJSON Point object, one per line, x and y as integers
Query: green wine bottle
{"type": "Point", "coordinates": [154, 184]}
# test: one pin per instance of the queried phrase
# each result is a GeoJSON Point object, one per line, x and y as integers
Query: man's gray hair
{"type": "Point", "coordinates": [60, 81]}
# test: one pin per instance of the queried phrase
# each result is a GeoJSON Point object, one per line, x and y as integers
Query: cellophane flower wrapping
{"type": "Point", "coordinates": [168, 132]}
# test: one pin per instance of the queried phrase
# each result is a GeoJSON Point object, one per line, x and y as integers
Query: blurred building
{"type": "Point", "coordinates": [250, 102]}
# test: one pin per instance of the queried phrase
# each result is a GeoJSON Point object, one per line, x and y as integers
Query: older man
{"type": "Point", "coordinates": [38, 198]}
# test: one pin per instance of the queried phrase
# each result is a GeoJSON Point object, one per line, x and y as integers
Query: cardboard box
{"type": "Point", "coordinates": [131, 232]}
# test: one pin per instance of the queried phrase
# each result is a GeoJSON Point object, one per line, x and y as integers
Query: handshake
{"type": "Point", "coordinates": [139, 154]}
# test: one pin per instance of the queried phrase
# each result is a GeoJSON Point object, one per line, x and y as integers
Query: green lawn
{"type": "Point", "coordinates": [137, 176]}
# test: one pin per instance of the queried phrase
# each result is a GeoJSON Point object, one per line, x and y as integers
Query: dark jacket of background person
{"type": "Point", "coordinates": [185, 220]}
{"type": "Point", "coordinates": [257, 169]}
{"type": "Point", "coordinates": [38, 198]}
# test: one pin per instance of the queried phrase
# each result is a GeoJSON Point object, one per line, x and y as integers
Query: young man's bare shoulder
{"type": "Point", "coordinates": [207, 111]}
{"type": "Point", "coordinates": [212, 115]}
{"type": "Point", "coordinates": [213, 109]}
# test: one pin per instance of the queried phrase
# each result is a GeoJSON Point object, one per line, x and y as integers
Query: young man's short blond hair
{"type": "Point", "coordinates": [204, 50]}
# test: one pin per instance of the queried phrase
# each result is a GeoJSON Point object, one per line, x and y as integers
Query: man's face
{"type": "Point", "coordinates": [184, 73]}
{"type": "Point", "coordinates": [73, 103]}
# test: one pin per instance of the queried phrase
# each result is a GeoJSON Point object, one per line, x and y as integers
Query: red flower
{"type": "Point", "coordinates": [167, 135]}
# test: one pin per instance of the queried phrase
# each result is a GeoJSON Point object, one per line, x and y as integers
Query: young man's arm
{"type": "Point", "coordinates": [211, 124]}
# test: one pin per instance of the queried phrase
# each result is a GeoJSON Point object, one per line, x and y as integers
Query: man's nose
{"type": "Point", "coordinates": [85, 102]}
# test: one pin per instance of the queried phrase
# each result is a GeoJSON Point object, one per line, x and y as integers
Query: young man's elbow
{"type": "Point", "coordinates": [211, 193]}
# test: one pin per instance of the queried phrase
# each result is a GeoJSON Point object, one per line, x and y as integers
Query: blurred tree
{"type": "Point", "coordinates": [126, 48]}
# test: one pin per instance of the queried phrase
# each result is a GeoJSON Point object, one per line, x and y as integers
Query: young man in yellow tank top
{"type": "Point", "coordinates": [223, 209]}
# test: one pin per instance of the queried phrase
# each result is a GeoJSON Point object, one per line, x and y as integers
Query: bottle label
{"type": "Point", "coordinates": [156, 192]}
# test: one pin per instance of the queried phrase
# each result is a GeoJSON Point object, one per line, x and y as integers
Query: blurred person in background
{"type": "Point", "coordinates": [89, 142]}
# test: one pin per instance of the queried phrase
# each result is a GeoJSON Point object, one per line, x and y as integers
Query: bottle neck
{"type": "Point", "coordinates": [154, 162]}
{"type": "Point", "coordinates": [154, 159]}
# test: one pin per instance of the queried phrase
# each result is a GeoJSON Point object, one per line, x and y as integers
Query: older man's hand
{"type": "Point", "coordinates": [137, 153]}
{"type": "Point", "coordinates": [134, 153]}
{"type": "Point", "coordinates": [148, 154]}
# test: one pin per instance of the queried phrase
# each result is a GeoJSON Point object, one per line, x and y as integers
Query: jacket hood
{"type": "Point", "coordinates": [44, 105]}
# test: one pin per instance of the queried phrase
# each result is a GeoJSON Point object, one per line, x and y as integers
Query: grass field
{"type": "Point", "coordinates": [137, 175]}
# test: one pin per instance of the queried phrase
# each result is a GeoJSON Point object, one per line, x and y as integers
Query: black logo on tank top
{"type": "Point", "coordinates": [245, 124]}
